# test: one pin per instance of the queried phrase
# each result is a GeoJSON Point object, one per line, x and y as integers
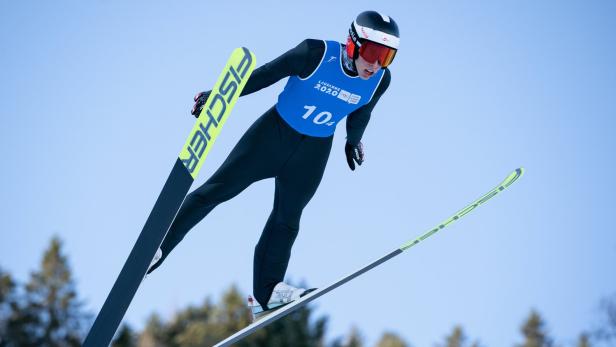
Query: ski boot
{"type": "Point", "coordinates": [282, 295]}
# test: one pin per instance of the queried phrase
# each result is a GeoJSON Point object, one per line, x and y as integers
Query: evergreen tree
{"type": "Point", "coordinates": [391, 340]}
{"type": "Point", "coordinates": [8, 305]}
{"type": "Point", "coordinates": [202, 325]}
{"type": "Point", "coordinates": [125, 337]}
{"type": "Point", "coordinates": [7, 294]}
{"type": "Point", "coordinates": [52, 310]}
{"type": "Point", "coordinates": [232, 314]}
{"type": "Point", "coordinates": [354, 339]}
{"type": "Point", "coordinates": [584, 340]}
{"type": "Point", "coordinates": [456, 339]}
{"type": "Point", "coordinates": [607, 332]}
{"type": "Point", "coordinates": [47, 312]}
{"type": "Point", "coordinates": [534, 332]}
{"type": "Point", "coordinates": [153, 335]}
{"type": "Point", "coordinates": [15, 322]}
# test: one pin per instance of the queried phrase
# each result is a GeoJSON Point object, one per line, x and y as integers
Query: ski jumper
{"type": "Point", "coordinates": [291, 143]}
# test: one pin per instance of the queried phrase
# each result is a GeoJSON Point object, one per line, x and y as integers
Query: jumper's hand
{"type": "Point", "coordinates": [354, 154]}
{"type": "Point", "coordinates": [200, 100]}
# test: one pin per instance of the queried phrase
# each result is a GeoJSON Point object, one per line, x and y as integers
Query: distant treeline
{"type": "Point", "coordinates": [46, 311]}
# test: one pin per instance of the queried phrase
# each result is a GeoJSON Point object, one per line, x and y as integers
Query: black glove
{"type": "Point", "coordinates": [200, 100]}
{"type": "Point", "coordinates": [354, 153]}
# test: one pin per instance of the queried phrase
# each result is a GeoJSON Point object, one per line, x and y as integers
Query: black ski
{"type": "Point", "coordinates": [205, 131]}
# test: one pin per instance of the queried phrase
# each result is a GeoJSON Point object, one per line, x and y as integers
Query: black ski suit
{"type": "Point", "coordinates": [271, 148]}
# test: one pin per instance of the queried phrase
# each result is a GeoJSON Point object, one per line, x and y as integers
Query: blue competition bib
{"type": "Point", "coordinates": [314, 105]}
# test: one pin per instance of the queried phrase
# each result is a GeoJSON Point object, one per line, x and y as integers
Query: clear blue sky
{"type": "Point", "coordinates": [95, 99]}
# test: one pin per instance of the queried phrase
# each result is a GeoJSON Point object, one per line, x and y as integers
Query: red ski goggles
{"type": "Point", "coordinates": [373, 52]}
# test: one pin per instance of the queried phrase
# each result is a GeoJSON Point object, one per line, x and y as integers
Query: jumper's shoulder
{"type": "Point", "coordinates": [315, 43]}
{"type": "Point", "coordinates": [307, 55]}
{"type": "Point", "coordinates": [312, 46]}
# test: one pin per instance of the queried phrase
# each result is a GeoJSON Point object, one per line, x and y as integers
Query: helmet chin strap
{"type": "Point", "coordinates": [348, 61]}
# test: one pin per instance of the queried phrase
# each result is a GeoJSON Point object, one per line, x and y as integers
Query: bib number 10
{"type": "Point", "coordinates": [321, 118]}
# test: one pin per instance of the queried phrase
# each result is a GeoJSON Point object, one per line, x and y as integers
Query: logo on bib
{"type": "Point", "coordinates": [349, 97]}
